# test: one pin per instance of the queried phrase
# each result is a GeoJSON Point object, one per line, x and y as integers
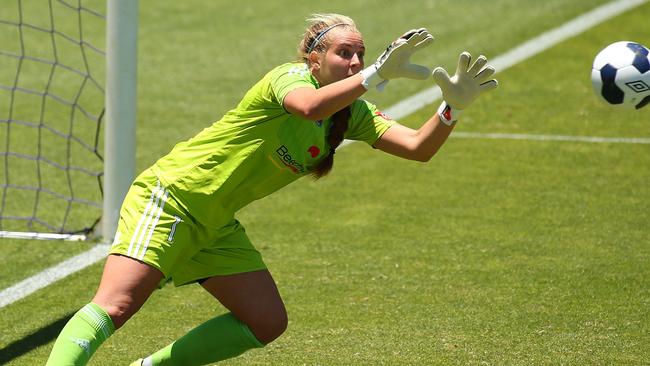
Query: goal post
{"type": "Point", "coordinates": [121, 88]}
{"type": "Point", "coordinates": [68, 73]}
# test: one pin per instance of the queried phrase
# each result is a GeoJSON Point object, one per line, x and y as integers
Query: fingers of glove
{"type": "Point", "coordinates": [441, 77]}
{"type": "Point", "coordinates": [412, 41]}
{"type": "Point", "coordinates": [411, 32]}
{"type": "Point", "coordinates": [463, 63]}
{"type": "Point", "coordinates": [478, 65]}
{"type": "Point", "coordinates": [488, 85]}
{"type": "Point", "coordinates": [421, 38]}
{"type": "Point", "coordinates": [391, 49]}
{"type": "Point", "coordinates": [417, 38]}
{"type": "Point", "coordinates": [425, 42]}
{"type": "Point", "coordinates": [414, 71]}
{"type": "Point", "coordinates": [485, 74]}
{"type": "Point", "coordinates": [398, 50]}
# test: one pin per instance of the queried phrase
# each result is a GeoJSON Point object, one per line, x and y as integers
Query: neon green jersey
{"type": "Point", "coordinates": [256, 148]}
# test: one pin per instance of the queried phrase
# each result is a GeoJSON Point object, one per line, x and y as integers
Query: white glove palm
{"type": "Point", "coordinates": [467, 84]}
{"type": "Point", "coordinates": [395, 61]}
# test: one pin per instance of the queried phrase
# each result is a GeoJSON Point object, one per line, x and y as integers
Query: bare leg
{"type": "Point", "coordinates": [253, 298]}
{"type": "Point", "coordinates": [126, 284]}
{"type": "Point", "coordinates": [257, 317]}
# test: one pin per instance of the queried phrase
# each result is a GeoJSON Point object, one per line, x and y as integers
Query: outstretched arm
{"type": "Point", "coordinates": [316, 104]}
{"type": "Point", "coordinates": [420, 144]}
{"type": "Point", "coordinates": [394, 62]}
{"type": "Point", "coordinates": [458, 92]}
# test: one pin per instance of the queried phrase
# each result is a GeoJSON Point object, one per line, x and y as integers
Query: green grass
{"type": "Point", "coordinates": [496, 252]}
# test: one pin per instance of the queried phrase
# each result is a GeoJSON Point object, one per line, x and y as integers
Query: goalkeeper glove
{"type": "Point", "coordinates": [395, 61]}
{"type": "Point", "coordinates": [466, 85]}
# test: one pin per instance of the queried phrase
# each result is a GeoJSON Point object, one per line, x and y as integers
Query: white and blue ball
{"type": "Point", "coordinates": [621, 74]}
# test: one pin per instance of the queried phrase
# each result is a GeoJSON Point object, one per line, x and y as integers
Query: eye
{"type": "Point", "coordinates": [345, 53]}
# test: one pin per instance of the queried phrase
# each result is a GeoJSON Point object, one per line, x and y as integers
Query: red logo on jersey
{"type": "Point", "coordinates": [383, 115]}
{"type": "Point", "coordinates": [313, 151]}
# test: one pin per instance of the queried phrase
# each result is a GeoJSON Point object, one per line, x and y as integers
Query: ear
{"type": "Point", "coordinates": [314, 60]}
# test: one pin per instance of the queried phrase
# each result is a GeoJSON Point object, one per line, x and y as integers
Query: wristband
{"type": "Point", "coordinates": [447, 114]}
{"type": "Point", "coordinates": [371, 78]}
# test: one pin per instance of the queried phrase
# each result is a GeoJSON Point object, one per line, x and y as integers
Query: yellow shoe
{"type": "Point", "coordinates": [137, 362]}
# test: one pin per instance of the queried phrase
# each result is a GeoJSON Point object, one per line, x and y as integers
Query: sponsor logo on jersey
{"type": "Point", "coordinates": [288, 160]}
{"type": "Point", "coordinates": [301, 70]}
{"type": "Point", "coordinates": [313, 151]}
{"type": "Point", "coordinates": [383, 115]}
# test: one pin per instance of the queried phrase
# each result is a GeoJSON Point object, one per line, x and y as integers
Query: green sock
{"type": "Point", "coordinates": [217, 339]}
{"type": "Point", "coordinates": [81, 336]}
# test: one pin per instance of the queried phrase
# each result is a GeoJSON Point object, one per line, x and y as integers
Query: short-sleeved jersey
{"type": "Point", "coordinates": [256, 148]}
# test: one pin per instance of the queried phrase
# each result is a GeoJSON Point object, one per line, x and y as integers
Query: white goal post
{"type": "Point", "coordinates": [57, 174]}
{"type": "Point", "coordinates": [121, 84]}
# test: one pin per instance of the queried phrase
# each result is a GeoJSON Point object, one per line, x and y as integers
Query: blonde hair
{"type": "Point", "coordinates": [317, 37]}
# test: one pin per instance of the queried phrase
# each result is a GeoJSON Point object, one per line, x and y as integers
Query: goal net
{"type": "Point", "coordinates": [52, 97]}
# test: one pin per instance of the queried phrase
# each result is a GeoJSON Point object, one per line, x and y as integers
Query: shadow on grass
{"type": "Point", "coordinates": [34, 340]}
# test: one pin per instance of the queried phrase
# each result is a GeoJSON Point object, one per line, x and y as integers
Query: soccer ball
{"type": "Point", "coordinates": [621, 74]}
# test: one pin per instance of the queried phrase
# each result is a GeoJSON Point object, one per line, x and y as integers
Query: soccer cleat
{"type": "Point", "coordinates": [137, 362]}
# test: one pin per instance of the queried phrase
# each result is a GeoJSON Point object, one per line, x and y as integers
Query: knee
{"type": "Point", "coordinates": [119, 311]}
{"type": "Point", "coordinates": [278, 325]}
{"type": "Point", "coordinates": [270, 325]}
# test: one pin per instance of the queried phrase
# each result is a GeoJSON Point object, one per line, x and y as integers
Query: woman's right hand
{"type": "Point", "coordinates": [395, 61]}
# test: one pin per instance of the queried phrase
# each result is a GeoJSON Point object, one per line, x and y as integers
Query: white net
{"type": "Point", "coordinates": [52, 67]}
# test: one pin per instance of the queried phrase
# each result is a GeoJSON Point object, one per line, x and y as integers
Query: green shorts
{"type": "Point", "coordinates": [155, 229]}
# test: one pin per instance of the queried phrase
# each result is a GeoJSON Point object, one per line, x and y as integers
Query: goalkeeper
{"type": "Point", "coordinates": [177, 220]}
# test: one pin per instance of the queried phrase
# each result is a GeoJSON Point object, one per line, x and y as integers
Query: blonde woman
{"type": "Point", "coordinates": [178, 219]}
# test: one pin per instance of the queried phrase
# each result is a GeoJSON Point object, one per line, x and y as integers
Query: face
{"type": "Point", "coordinates": [343, 58]}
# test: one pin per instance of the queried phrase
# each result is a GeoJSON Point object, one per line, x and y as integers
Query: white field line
{"type": "Point", "coordinates": [41, 236]}
{"type": "Point", "coordinates": [397, 111]}
{"type": "Point", "coordinates": [52, 274]}
{"type": "Point", "coordinates": [530, 137]}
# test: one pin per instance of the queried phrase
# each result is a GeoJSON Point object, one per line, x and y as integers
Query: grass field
{"type": "Point", "coordinates": [497, 252]}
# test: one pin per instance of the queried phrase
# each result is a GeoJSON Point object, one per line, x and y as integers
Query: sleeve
{"type": "Point", "coordinates": [288, 77]}
{"type": "Point", "coordinates": [367, 123]}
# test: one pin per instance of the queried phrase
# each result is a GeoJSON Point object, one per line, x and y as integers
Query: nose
{"type": "Point", "coordinates": [356, 62]}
